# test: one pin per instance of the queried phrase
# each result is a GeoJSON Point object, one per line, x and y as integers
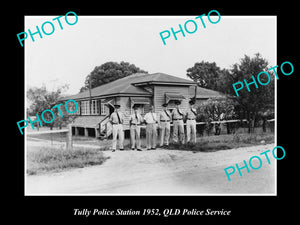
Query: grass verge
{"type": "Point", "coordinates": [223, 142]}
{"type": "Point", "coordinates": [47, 159]}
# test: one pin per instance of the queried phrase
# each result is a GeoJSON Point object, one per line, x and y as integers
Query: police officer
{"type": "Point", "coordinates": [151, 128]}
{"type": "Point", "coordinates": [116, 118]}
{"type": "Point", "coordinates": [164, 124]}
{"type": "Point", "coordinates": [178, 129]}
{"type": "Point", "coordinates": [135, 121]}
{"type": "Point", "coordinates": [191, 122]}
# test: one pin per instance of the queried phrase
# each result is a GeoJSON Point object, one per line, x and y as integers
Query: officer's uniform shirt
{"type": "Point", "coordinates": [165, 116]}
{"type": "Point", "coordinates": [114, 118]}
{"type": "Point", "coordinates": [191, 114]}
{"type": "Point", "coordinates": [150, 117]}
{"type": "Point", "coordinates": [136, 119]}
{"type": "Point", "coordinates": [177, 114]}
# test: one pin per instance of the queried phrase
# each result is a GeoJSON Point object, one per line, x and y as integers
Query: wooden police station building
{"type": "Point", "coordinates": [140, 88]}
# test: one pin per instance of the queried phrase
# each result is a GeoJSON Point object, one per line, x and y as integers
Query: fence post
{"type": "Point", "coordinates": [106, 129]}
{"type": "Point", "coordinates": [69, 143]}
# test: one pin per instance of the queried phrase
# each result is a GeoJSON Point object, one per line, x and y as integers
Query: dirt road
{"type": "Point", "coordinates": [162, 172]}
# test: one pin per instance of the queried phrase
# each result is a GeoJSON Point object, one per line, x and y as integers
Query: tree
{"type": "Point", "coordinates": [109, 72]}
{"type": "Point", "coordinates": [40, 99]}
{"type": "Point", "coordinates": [206, 75]}
{"type": "Point", "coordinates": [251, 104]}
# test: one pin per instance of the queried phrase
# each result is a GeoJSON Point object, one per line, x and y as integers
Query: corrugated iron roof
{"type": "Point", "coordinates": [162, 78]}
{"type": "Point", "coordinates": [173, 96]}
{"type": "Point", "coordinates": [140, 100]}
{"type": "Point", "coordinates": [130, 85]}
{"type": "Point", "coordinates": [204, 93]}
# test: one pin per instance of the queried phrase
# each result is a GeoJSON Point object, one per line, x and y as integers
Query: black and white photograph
{"type": "Point", "coordinates": [145, 105]}
{"type": "Point", "coordinates": [167, 116]}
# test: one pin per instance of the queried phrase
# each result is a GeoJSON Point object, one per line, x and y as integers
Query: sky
{"type": "Point", "coordinates": [67, 56]}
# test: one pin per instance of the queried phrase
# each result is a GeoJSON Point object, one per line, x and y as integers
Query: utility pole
{"type": "Point", "coordinates": [195, 95]}
{"type": "Point", "coordinates": [90, 91]}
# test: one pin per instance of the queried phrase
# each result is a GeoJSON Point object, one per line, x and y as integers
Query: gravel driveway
{"type": "Point", "coordinates": [162, 172]}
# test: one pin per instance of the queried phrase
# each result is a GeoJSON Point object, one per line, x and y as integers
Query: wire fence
{"type": "Point", "coordinates": [201, 126]}
{"type": "Point", "coordinates": [68, 139]}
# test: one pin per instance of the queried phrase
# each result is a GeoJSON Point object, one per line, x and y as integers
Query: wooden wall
{"type": "Point", "coordinates": [159, 96]}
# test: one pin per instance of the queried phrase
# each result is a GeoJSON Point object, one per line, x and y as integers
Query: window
{"type": "Point", "coordinates": [140, 101]}
{"type": "Point", "coordinates": [104, 108]}
{"type": "Point", "coordinates": [85, 108]}
{"type": "Point", "coordinates": [141, 110]}
{"type": "Point", "coordinates": [95, 108]}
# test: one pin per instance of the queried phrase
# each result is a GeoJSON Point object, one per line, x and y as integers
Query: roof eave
{"type": "Point", "coordinates": [165, 83]}
{"type": "Point", "coordinates": [113, 95]}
